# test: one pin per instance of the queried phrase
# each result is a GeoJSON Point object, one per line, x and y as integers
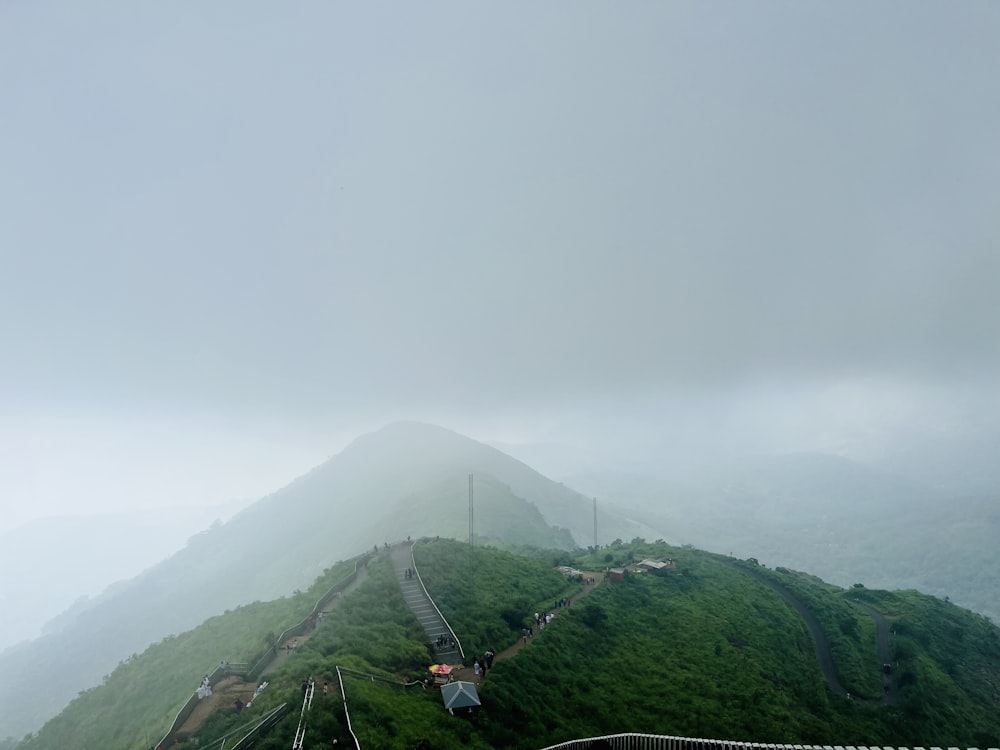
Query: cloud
{"type": "Point", "coordinates": [482, 213]}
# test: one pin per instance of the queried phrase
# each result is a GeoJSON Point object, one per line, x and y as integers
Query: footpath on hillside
{"type": "Point", "coordinates": [468, 674]}
{"type": "Point", "coordinates": [226, 692]}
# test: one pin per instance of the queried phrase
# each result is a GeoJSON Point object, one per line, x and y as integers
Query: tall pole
{"type": "Point", "coordinates": [595, 523]}
{"type": "Point", "coordinates": [472, 524]}
{"type": "Point", "coordinates": [472, 537]}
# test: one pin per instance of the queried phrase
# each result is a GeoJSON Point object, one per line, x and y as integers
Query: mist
{"type": "Point", "coordinates": [637, 239]}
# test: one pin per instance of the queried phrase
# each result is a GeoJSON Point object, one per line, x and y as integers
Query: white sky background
{"type": "Point", "coordinates": [233, 235]}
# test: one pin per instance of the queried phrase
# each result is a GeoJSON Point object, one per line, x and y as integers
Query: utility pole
{"type": "Point", "coordinates": [595, 524]}
{"type": "Point", "coordinates": [472, 536]}
{"type": "Point", "coordinates": [472, 524]}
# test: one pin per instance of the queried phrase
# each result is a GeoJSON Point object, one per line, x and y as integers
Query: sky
{"type": "Point", "coordinates": [235, 235]}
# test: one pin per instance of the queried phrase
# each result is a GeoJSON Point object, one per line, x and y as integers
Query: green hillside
{"type": "Point", "coordinates": [707, 648]}
{"type": "Point", "coordinates": [843, 520]}
{"type": "Point", "coordinates": [405, 479]}
{"type": "Point", "coordinates": [138, 700]}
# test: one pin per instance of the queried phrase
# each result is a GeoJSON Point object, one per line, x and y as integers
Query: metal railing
{"type": "Point", "coordinates": [632, 741]}
{"type": "Point", "coordinates": [347, 714]}
{"type": "Point", "coordinates": [188, 708]}
{"type": "Point", "coordinates": [420, 580]}
{"type": "Point", "coordinates": [302, 627]}
{"type": "Point", "coordinates": [265, 725]}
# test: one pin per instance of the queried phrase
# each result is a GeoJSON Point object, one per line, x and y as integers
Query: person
{"type": "Point", "coordinates": [326, 688]}
{"type": "Point", "coordinates": [475, 666]}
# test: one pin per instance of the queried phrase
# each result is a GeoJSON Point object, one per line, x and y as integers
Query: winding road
{"type": "Point", "coordinates": [890, 697]}
{"type": "Point", "coordinates": [823, 651]}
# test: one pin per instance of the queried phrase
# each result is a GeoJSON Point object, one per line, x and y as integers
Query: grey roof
{"type": "Point", "coordinates": [459, 695]}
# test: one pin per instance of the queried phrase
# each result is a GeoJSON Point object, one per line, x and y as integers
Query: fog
{"type": "Point", "coordinates": [235, 236]}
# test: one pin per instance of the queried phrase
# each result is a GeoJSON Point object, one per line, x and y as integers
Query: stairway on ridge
{"type": "Point", "coordinates": [418, 601]}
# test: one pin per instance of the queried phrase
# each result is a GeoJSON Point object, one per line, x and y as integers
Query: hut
{"type": "Point", "coordinates": [459, 695]}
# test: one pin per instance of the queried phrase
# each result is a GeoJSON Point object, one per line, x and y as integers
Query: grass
{"type": "Point", "coordinates": [701, 650]}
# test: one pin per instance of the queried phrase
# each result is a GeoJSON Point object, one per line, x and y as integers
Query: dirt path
{"type": "Point", "coordinates": [284, 653]}
{"type": "Point", "coordinates": [225, 692]}
{"type": "Point", "coordinates": [468, 675]}
{"type": "Point", "coordinates": [224, 695]}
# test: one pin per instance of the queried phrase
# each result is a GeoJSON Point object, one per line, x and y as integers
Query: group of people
{"type": "Point", "coordinates": [444, 641]}
{"type": "Point", "coordinates": [205, 689]}
{"type": "Point", "coordinates": [481, 665]}
{"type": "Point", "coordinates": [306, 684]}
{"type": "Point", "coordinates": [410, 573]}
{"type": "Point", "coordinates": [542, 620]}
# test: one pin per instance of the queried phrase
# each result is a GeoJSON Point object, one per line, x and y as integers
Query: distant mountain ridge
{"type": "Point", "coordinates": [115, 546]}
{"type": "Point", "coordinates": [837, 518]}
{"type": "Point", "coordinates": [406, 479]}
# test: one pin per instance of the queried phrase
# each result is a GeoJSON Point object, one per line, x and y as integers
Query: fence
{"type": "Point", "coordinates": [431, 600]}
{"type": "Point", "coordinates": [661, 742]}
{"type": "Point", "coordinates": [259, 664]}
{"type": "Point", "coordinates": [188, 708]}
{"type": "Point", "coordinates": [347, 714]}
{"type": "Point", "coordinates": [265, 658]}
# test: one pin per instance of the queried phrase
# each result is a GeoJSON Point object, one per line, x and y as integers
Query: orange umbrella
{"type": "Point", "coordinates": [439, 669]}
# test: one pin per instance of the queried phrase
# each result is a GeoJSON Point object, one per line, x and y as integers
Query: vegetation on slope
{"type": "Point", "coordinates": [138, 700]}
{"type": "Point", "coordinates": [849, 631]}
{"type": "Point", "coordinates": [486, 595]}
{"type": "Point", "coordinates": [702, 649]}
{"type": "Point", "coordinates": [947, 663]}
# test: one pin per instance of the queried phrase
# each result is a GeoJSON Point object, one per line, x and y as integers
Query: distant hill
{"type": "Point", "coordinates": [113, 546]}
{"type": "Point", "coordinates": [841, 519]}
{"type": "Point", "coordinates": [407, 479]}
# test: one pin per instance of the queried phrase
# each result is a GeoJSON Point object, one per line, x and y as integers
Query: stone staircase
{"type": "Point", "coordinates": [423, 607]}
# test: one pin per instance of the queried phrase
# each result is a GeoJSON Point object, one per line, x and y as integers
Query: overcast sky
{"type": "Point", "coordinates": [236, 234]}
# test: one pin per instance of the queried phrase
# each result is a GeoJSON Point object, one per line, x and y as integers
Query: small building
{"type": "Point", "coordinates": [616, 574]}
{"type": "Point", "coordinates": [460, 694]}
{"type": "Point", "coordinates": [652, 565]}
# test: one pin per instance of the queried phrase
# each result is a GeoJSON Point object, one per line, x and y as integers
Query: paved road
{"type": "Point", "coordinates": [823, 652]}
{"type": "Point", "coordinates": [890, 695]}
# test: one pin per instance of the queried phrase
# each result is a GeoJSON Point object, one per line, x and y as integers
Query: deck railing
{"type": "Point", "coordinates": [632, 741]}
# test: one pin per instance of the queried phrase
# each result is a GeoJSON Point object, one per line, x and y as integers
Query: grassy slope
{"type": "Point", "coordinates": [700, 651]}
{"type": "Point", "coordinates": [485, 594]}
{"type": "Point", "coordinates": [139, 699]}
{"type": "Point", "coordinates": [947, 661]}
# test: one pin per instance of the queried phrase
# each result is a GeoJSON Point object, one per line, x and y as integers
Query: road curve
{"type": "Point", "coordinates": [823, 652]}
